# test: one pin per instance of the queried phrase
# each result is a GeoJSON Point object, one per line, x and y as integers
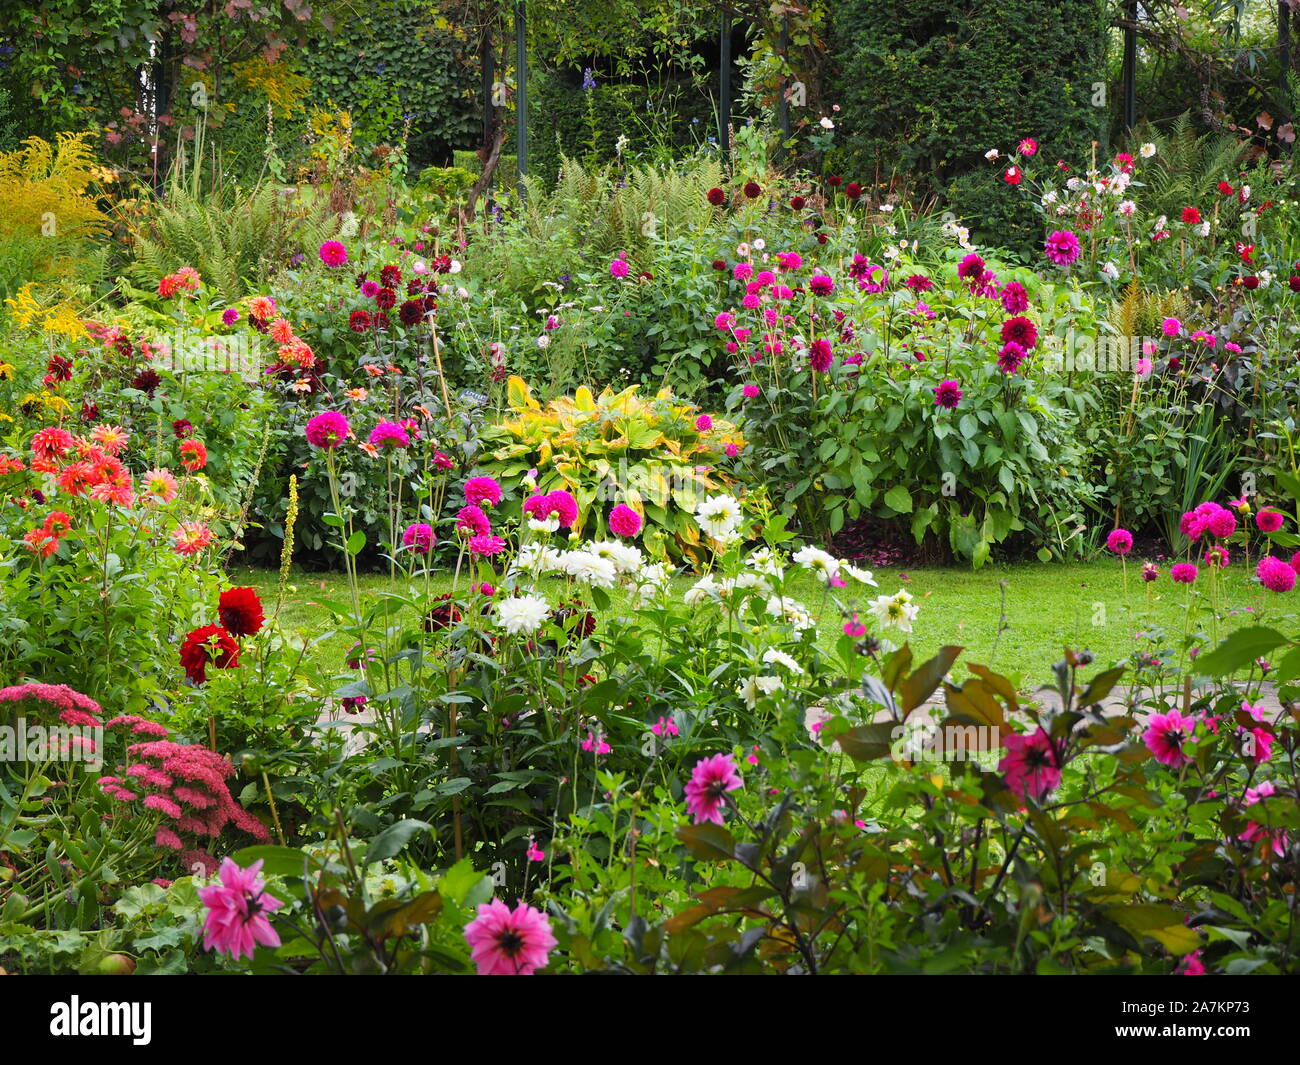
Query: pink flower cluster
{"type": "Point", "coordinates": [184, 782]}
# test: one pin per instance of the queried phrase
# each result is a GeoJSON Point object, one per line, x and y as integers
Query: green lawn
{"type": "Point", "coordinates": [1014, 618]}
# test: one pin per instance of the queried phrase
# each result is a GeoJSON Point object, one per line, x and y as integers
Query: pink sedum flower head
{"type": "Point", "coordinates": [1031, 765]}
{"type": "Point", "coordinates": [506, 942]}
{"type": "Point", "coordinates": [327, 430]}
{"type": "Point", "coordinates": [1168, 736]}
{"type": "Point", "coordinates": [624, 521]}
{"type": "Point", "coordinates": [237, 909]}
{"type": "Point", "coordinates": [1119, 542]}
{"type": "Point", "coordinates": [707, 789]}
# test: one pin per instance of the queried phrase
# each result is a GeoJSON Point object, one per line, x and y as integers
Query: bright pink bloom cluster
{"type": "Point", "coordinates": [237, 911]}
{"type": "Point", "coordinates": [73, 708]}
{"type": "Point", "coordinates": [506, 942]}
{"type": "Point", "coordinates": [706, 792]}
{"type": "Point", "coordinates": [624, 521]}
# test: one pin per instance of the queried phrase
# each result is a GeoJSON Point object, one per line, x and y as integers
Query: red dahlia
{"type": "Point", "coordinates": [240, 611]}
{"type": "Point", "coordinates": [208, 644]}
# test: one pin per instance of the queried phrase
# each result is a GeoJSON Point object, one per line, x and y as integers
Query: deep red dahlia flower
{"type": "Point", "coordinates": [208, 644]}
{"type": "Point", "coordinates": [240, 611]}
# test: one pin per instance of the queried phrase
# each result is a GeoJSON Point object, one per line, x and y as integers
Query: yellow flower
{"type": "Point", "coordinates": [6, 371]}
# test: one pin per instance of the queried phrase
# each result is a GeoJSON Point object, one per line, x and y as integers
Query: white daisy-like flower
{"type": "Point", "coordinates": [769, 685]}
{"type": "Point", "coordinates": [588, 568]}
{"type": "Point", "coordinates": [991, 154]}
{"type": "Point", "coordinates": [760, 244]}
{"type": "Point", "coordinates": [536, 558]}
{"type": "Point", "coordinates": [547, 525]}
{"type": "Point", "coordinates": [522, 615]}
{"type": "Point", "coordinates": [718, 516]}
{"type": "Point", "coordinates": [894, 611]}
{"type": "Point", "coordinates": [1203, 230]}
{"type": "Point", "coordinates": [1147, 150]}
{"type": "Point", "coordinates": [626, 558]}
{"type": "Point", "coordinates": [748, 690]}
{"type": "Point", "coordinates": [1049, 197]}
{"type": "Point", "coordinates": [767, 561]}
{"type": "Point", "coordinates": [791, 610]}
{"type": "Point", "coordinates": [704, 588]}
{"type": "Point", "coordinates": [774, 656]}
{"type": "Point", "coordinates": [815, 558]}
{"type": "Point", "coordinates": [862, 576]}
{"type": "Point", "coordinates": [826, 123]}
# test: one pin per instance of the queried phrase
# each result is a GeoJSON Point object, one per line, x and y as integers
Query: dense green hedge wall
{"type": "Point", "coordinates": [565, 119]}
{"type": "Point", "coordinates": [388, 63]}
{"type": "Point", "coordinates": [927, 86]}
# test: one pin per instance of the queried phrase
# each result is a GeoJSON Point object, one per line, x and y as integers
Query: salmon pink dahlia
{"type": "Point", "coordinates": [706, 792]}
{"type": "Point", "coordinates": [237, 911]}
{"type": "Point", "coordinates": [506, 942]}
{"type": "Point", "coordinates": [191, 537]}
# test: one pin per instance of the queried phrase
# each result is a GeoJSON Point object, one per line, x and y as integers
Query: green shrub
{"type": "Point", "coordinates": [927, 87]}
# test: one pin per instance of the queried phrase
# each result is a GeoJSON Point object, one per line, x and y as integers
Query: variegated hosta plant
{"type": "Point", "coordinates": [661, 456]}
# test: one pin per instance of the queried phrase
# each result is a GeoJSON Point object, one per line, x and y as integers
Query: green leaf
{"type": "Point", "coordinates": [392, 839]}
{"type": "Point", "coordinates": [356, 542]}
{"type": "Point", "coordinates": [708, 841]}
{"type": "Point", "coordinates": [1238, 651]}
{"type": "Point", "coordinates": [899, 499]}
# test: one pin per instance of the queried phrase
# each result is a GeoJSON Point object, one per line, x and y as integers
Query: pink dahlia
{"type": "Point", "coordinates": [947, 394]}
{"type": "Point", "coordinates": [418, 537]}
{"type": "Point", "coordinates": [703, 423]}
{"type": "Point", "coordinates": [618, 268]}
{"type": "Point", "coordinates": [389, 434]}
{"type": "Point", "coordinates": [1015, 300]}
{"type": "Point", "coordinates": [564, 505]}
{"type": "Point", "coordinates": [1184, 573]}
{"type": "Point", "coordinates": [1032, 766]}
{"type": "Point", "coordinates": [482, 490]}
{"type": "Point", "coordinates": [486, 545]}
{"type": "Point", "coordinates": [624, 521]}
{"type": "Point", "coordinates": [1275, 575]}
{"type": "Point", "coordinates": [1269, 520]}
{"type": "Point", "coordinates": [505, 942]}
{"type": "Point", "coordinates": [332, 253]}
{"type": "Point", "coordinates": [472, 520]}
{"type": "Point", "coordinates": [1168, 736]}
{"type": "Point", "coordinates": [1119, 542]}
{"type": "Point", "coordinates": [707, 789]}
{"type": "Point", "coordinates": [327, 430]}
{"type": "Point", "coordinates": [820, 356]}
{"type": "Point", "coordinates": [1062, 247]}
{"type": "Point", "coordinates": [237, 909]}
{"type": "Point", "coordinates": [1019, 330]}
